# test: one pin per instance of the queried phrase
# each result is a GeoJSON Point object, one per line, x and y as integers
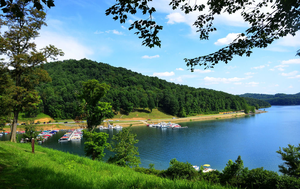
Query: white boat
{"type": "Point", "coordinates": [75, 137]}
{"type": "Point", "coordinates": [118, 127]}
{"type": "Point", "coordinates": [206, 170]}
{"type": "Point", "coordinates": [64, 139]}
{"type": "Point", "coordinates": [197, 168]}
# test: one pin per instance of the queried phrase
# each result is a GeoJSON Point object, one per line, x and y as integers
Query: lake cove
{"type": "Point", "coordinates": [256, 138]}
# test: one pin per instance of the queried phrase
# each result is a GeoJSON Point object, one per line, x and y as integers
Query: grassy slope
{"type": "Point", "coordinates": [48, 168]}
{"type": "Point", "coordinates": [145, 114]}
{"type": "Point", "coordinates": [39, 116]}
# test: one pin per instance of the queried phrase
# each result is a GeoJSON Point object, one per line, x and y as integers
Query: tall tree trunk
{"type": "Point", "coordinates": [14, 127]}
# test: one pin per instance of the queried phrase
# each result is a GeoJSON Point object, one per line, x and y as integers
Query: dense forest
{"type": "Point", "coordinates": [277, 99]}
{"type": "Point", "coordinates": [129, 90]}
{"type": "Point", "coordinates": [257, 103]}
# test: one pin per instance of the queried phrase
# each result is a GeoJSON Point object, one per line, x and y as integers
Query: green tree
{"type": "Point", "coordinates": [180, 170]}
{"type": "Point", "coordinates": [151, 103]}
{"type": "Point", "coordinates": [30, 132]}
{"type": "Point", "coordinates": [94, 144]}
{"type": "Point", "coordinates": [12, 7]}
{"type": "Point", "coordinates": [246, 109]}
{"type": "Point", "coordinates": [265, 27]}
{"type": "Point", "coordinates": [144, 103]}
{"type": "Point", "coordinates": [232, 170]}
{"type": "Point", "coordinates": [17, 45]}
{"type": "Point", "coordinates": [94, 110]}
{"type": "Point", "coordinates": [291, 156]}
{"type": "Point", "coordinates": [252, 109]}
{"type": "Point", "coordinates": [5, 84]}
{"type": "Point", "coordinates": [126, 154]}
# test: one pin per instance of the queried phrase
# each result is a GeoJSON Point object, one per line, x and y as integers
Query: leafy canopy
{"type": "Point", "coordinates": [126, 154]}
{"type": "Point", "coordinates": [265, 27]}
{"type": "Point", "coordinates": [94, 144]}
{"type": "Point", "coordinates": [291, 156]}
{"type": "Point", "coordinates": [93, 109]}
{"type": "Point", "coordinates": [19, 49]}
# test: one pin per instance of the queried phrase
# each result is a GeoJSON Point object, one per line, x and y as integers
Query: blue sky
{"type": "Point", "coordinates": [82, 30]}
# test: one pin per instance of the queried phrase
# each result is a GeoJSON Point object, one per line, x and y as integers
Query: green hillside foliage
{"type": "Point", "coordinates": [257, 103]}
{"type": "Point", "coordinates": [129, 91]}
{"type": "Point", "coordinates": [48, 169]}
{"type": "Point", "coordinates": [277, 99]}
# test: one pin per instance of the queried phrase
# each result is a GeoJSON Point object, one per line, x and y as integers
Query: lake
{"type": "Point", "coordinates": [256, 138]}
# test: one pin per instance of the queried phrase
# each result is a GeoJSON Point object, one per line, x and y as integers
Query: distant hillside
{"type": "Point", "coordinates": [129, 90]}
{"type": "Point", "coordinates": [257, 102]}
{"type": "Point", "coordinates": [277, 99]}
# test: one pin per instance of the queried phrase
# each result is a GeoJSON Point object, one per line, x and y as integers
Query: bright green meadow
{"type": "Point", "coordinates": [47, 168]}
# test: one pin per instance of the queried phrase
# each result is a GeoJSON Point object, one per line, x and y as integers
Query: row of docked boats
{"type": "Point", "coordinates": [166, 125]}
{"type": "Point", "coordinates": [117, 127]}
{"type": "Point", "coordinates": [44, 135]}
{"type": "Point", "coordinates": [4, 133]}
{"type": "Point", "coordinates": [74, 135]}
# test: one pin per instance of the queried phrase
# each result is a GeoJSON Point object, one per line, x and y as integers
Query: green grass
{"type": "Point", "coordinates": [145, 114]}
{"type": "Point", "coordinates": [21, 117]}
{"type": "Point", "coordinates": [47, 168]}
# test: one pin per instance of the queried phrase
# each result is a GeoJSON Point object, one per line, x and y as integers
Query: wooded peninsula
{"type": "Point", "coordinates": [129, 91]}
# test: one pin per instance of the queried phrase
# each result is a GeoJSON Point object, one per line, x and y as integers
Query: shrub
{"type": "Point", "coordinates": [180, 170]}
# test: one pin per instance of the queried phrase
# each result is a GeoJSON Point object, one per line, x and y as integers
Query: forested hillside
{"type": "Point", "coordinates": [277, 99]}
{"type": "Point", "coordinates": [129, 90]}
{"type": "Point", "coordinates": [257, 103]}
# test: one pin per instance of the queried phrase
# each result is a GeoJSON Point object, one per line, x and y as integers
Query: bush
{"type": "Point", "coordinates": [260, 178]}
{"type": "Point", "coordinates": [212, 177]}
{"type": "Point", "coordinates": [150, 171]}
{"type": "Point", "coordinates": [180, 170]}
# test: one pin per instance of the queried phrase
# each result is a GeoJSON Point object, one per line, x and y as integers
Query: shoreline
{"type": "Point", "coordinates": [144, 121]}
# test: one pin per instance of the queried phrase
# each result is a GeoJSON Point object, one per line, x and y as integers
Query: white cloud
{"type": "Point", "coordinates": [114, 32]}
{"type": "Point", "coordinates": [110, 31]}
{"type": "Point", "coordinates": [238, 83]}
{"type": "Point", "coordinates": [291, 86]}
{"type": "Point", "coordinates": [72, 48]}
{"type": "Point", "coordinates": [177, 80]}
{"type": "Point", "coordinates": [231, 67]}
{"type": "Point", "coordinates": [162, 74]}
{"type": "Point", "coordinates": [98, 32]}
{"type": "Point", "coordinates": [290, 41]}
{"type": "Point", "coordinates": [202, 71]}
{"type": "Point", "coordinates": [253, 84]}
{"type": "Point", "coordinates": [227, 40]}
{"type": "Point", "coordinates": [176, 17]}
{"type": "Point", "coordinates": [231, 19]}
{"type": "Point", "coordinates": [297, 76]}
{"type": "Point", "coordinates": [249, 73]}
{"type": "Point", "coordinates": [123, 27]}
{"type": "Point", "coordinates": [291, 61]}
{"type": "Point", "coordinates": [276, 85]}
{"type": "Point", "coordinates": [281, 66]}
{"type": "Point", "coordinates": [215, 80]}
{"type": "Point", "coordinates": [150, 57]}
{"type": "Point", "coordinates": [290, 74]}
{"type": "Point", "coordinates": [259, 67]}
{"type": "Point", "coordinates": [180, 69]}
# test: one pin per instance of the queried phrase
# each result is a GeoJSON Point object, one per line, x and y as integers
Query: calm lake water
{"type": "Point", "coordinates": [256, 138]}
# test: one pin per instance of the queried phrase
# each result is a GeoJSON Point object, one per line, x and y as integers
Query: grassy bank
{"type": "Point", "coordinates": [48, 168]}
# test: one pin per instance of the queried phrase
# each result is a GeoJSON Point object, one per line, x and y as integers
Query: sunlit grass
{"type": "Point", "coordinates": [144, 114]}
{"type": "Point", "coordinates": [47, 168]}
